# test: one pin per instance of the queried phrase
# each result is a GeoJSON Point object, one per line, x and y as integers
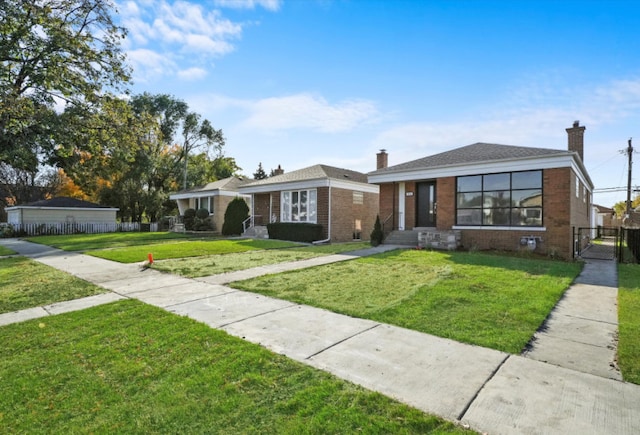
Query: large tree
{"type": "Point", "coordinates": [53, 53]}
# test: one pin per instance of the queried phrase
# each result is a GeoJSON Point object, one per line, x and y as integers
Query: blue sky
{"type": "Point", "coordinates": [301, 82]}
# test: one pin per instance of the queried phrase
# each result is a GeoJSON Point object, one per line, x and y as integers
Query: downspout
{"type": "Point", "coordinates": [328, 239]}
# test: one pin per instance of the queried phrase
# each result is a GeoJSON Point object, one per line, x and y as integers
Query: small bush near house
{"type": "Point", "coordinates": [237, 212]}
{"type": "Point", "coordinates": [377, 235]}
{"type": "Point", "coordinates": [295, 232]}
{"type": "Point", "coordinates": [202, 222]}
{"type": "Point", "coordinates": [189, 219]}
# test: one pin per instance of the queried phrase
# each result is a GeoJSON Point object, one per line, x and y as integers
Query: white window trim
{"type": "Point", "coordinates": [286, 214]}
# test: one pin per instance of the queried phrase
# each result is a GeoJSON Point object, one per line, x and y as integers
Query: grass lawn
{"type": "Point", "coordinates": [214, 264]}
{"type": "Point", "coordinates": [25, 283]}
{"type": "Point", "coordinates": [488, 300]}
{"type": "Point", "coordinates": [132, 368]}
{"type": "Point", "coordinates": [83, 242]}
{"type": "Point", "coordinates": [6, 251]}
{"type": "Point", "coordinates": [188, 248]}
{"type": "Point", "coordinates": [629, 321]}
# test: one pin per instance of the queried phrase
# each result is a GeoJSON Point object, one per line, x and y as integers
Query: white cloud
{"type": "Point", "coordinates": [192, 73]}
{"type": "Point", "coordinates": [272, 5]}
{"type": "Point", "coordinates": [175, 31]}
{"type": "Point", "coordinates": [308, 111]}
{"type": "Point", "coordinates": [147, 64]}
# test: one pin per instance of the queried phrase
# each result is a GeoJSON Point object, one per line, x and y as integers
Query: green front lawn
{"type": "Point", "coordinates": [215, 264]}
{"type": "Point", "coordinates": [6, 251]}
{"type": "Point", "coordinates": [25, 283]}
{"type": "Point", "coordinates": [83, 242]}
{"type": "Point", "coordinates": [629, 321]}
{"type": "Point", "coordinates": [190, 248]}
{"type": "Point", "coordinates": [488, 300]}
{"type": "Point", "coordinates": [131, 368]}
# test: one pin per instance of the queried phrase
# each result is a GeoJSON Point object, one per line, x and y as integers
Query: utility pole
{"type": "Point", "coordinates": [629, 154]}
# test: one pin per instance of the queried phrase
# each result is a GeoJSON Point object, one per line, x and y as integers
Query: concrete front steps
{"type": "Point", "coordinates": [403, 238]}
{"type": "Point", "coordinates": [257, 232]}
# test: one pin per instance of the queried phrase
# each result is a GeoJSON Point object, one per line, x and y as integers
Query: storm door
{"type": "Point", "coordinates": [426, 204]}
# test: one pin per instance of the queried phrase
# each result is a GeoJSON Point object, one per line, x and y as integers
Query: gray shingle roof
{"type": "Point", "coordinates": [65, 202]}
{"type": "Point", "coordinates": [315, 172]}
{"type": "Point", "coordinates": [470, 154]}
{"type": "Point", "coordinates": [231, 183]}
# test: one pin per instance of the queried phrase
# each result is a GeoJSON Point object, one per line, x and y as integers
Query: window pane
{"type": "Point", "coordinates": [527, 216]}
{"type": "Point", "coordinates": [470, 184]}
{"type": "Point", "coordinates": [470, 200]}
{"type": "Point", "coordinates": [469, 217]}
{"type": "Point", "coordinates": [496, 182]}
{"type": "Point", "coordinates": [526, 180]}
{"type": "Point", "coordinates": [496, 216]}
{"type": "Point", "coordinates": [286, 207]}
{"type": "Point", "coordinates": [527, 198]}
{"type": "Point", "coordinates": [312, 208]}
{"type": "Point", "coordinates": [303, 206]}
{"type": "Point", "coordinates": [295, 216]}
{"type": "Point", "coordinates": [497, 199]}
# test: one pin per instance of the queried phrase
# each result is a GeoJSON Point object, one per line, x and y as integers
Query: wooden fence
{"type": "Point", "coordinates": [19, 230]}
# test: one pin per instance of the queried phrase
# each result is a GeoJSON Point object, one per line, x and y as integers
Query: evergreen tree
{"type": "Point", "coordinates": [237, 212]}
{"type": "Point", "coordinates": [259, 174]}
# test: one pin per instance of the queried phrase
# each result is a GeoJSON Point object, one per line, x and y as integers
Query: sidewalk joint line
{"type": "Point", "coordinates": [342, 341]}
{"type": "Point", "coordinates": [484, 384]}
{"type": "Point", "coordinates": [257, 315]}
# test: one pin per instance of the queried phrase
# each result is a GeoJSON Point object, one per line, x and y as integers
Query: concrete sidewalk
{"type": "Point", "coordinates": [582, 330]}
{"type": "Point", "coordinates": [489, 390]}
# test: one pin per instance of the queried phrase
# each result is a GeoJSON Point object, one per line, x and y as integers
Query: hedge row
{"type": "Point", "coordinates": [295, 232]}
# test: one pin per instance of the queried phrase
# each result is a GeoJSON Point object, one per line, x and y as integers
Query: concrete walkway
{"type": "Point", "coordinates": [581, 331]}
{"type": "Point", "coordinates": [488, 390]}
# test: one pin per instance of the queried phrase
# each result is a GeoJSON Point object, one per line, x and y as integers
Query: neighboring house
{"type": "Point", "coordinates": [340, 200]}
{"type": "Point", "coordinates": [493, 196]}
{"type": "Point", "coordinates": [61, 210]}
{"type": "Point", "coordinates": [604, 216]}
{"type": "Point", "coordinates": [214, 196]}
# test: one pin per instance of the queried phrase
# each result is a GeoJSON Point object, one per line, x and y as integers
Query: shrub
{"type": "Point", "coordinates": [189, 219]}
{"type": "Point", "coordinates": [377, 235]}
{"type": "Point", "coordinates": [202, 213]}
{"type": "Point", "coordinates": [295, 232]}
{"type": "Point", "coordinates": [236, 213]}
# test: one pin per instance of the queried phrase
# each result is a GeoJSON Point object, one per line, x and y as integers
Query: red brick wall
{"type": "Point", "coordinates": [261, 203]}
{"type": "Point", "coordinates": [323, 210]}
{"type": "Point", "coordinates": [446, 199]}
{"type": "Point", "coordinates": [388, 204]}
{"type": "Point", "coordinates": [557, 240]}
{"type": "Point", "coordinates": [344, 214]}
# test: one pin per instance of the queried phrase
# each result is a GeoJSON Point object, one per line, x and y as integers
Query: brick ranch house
{"type": "Point", "coordinates": [214, 196]}
{"type": "Point", "coordinates": [340, 200]}
{"type": "Point", "coordinates": [493, 196]}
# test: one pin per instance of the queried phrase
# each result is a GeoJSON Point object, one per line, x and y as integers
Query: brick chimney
{"type": "Point", "coordinates": [278, 171]}
{"type": "Point", "coordinates": [576, 139]}
{"type": "Point", "coordinates": [382, 159]}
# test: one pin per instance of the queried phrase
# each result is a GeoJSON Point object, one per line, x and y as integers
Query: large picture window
{"type": "Point", "coordinates": [299, 206]}
{"type": "Point", "coordinates": [505, 199]}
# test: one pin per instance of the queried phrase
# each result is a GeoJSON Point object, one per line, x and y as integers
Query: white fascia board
{"type": "Point", "coordinates": [292, 185]}
{"type": "Point", "coordinates": [199, 194]}
{"type": "Point", "coordinates": [312, 184]}
{"type": "Point", "coordinates": [233, 193]}
{"type": "Point", "coordinates": [352, 185]}
{"type": "Point", "coordinates": [514, 165]}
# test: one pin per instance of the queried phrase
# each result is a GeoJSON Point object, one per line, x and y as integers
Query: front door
{"type": "Point", "coordinates": [426, 204]}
